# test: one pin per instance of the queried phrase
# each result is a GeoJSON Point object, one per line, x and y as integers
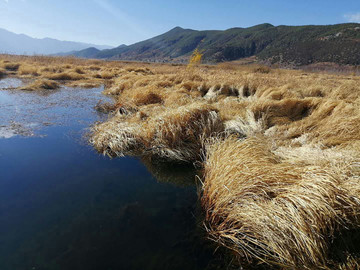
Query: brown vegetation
{"type": "Point", "coordinates": [11, 66]}
{"type": "Point", "coordinates": [41, 84]}
{"type": "Point", "coordinates": [279, 149]}
{"type": "Point", "coordinates": [28, 70]}
{"type": "Point", "coordinates": [283, 206]}
{"type": "Point", "coordinates": [2, 73]}
{"type": "Point", "coordinates": [66, 71]}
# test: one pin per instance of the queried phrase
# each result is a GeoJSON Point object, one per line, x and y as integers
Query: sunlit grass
{"type": "Point", "coordinates": [279, 149]}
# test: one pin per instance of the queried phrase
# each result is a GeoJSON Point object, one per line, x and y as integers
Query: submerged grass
{"type": "Point", "coordinates": [278, 149]}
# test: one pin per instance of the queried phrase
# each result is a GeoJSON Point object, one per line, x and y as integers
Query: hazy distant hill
{"type": "Point", "coordinates": [296, 45]}
{"type": "Point", "coordinates": [110, 53]}
{"type": "Point", "coordinates": [86, 53]}
{"type": "Point", "coordinates": [23, 44]}
{"type": "Point", "coordinates": [92, 52]}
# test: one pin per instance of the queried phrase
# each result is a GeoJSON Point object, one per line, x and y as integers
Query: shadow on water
{"type": "Point", "coordinates": [182, 175]}
{"type": "Point", "coordinates": [62, 206]}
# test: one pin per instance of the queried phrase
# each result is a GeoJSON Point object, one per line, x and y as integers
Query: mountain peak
{"type": "Point", "coordinates": [261, 26]}
{"type": "Point", "coordinates": [121, 46]}
{"type": "Point", "coordinates": [176, 29]}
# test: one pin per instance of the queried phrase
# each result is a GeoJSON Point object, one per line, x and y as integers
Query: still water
{"type": "Point", "coordinates": [63, 206]}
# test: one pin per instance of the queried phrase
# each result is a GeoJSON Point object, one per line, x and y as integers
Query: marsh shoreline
{"type": "Point", "coordinates": [279, 149]}
{"type": "Point", "coordinates": [62, 205]}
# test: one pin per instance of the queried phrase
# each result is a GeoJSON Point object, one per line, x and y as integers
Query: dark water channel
{"type": "Point", "coordinates": [63, 206]}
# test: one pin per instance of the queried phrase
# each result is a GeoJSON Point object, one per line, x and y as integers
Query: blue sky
{"type": "Point", "coordinates": [116, 22]}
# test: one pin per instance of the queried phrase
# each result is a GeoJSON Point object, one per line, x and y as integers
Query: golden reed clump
{"type": "Point", "coordinates": [278, 208]}
{"type": "Point", "coordinates": [279, 149]}
{"type": "Point", "coordinates": [176, 134]}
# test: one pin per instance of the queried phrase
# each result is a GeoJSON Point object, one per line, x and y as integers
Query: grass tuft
{"type": "Point", "coordinates": [28, 70]}
{"type": "Point", "coordinates": [41, 85]}
{"type": "Point", "coordinates": [11, 66]}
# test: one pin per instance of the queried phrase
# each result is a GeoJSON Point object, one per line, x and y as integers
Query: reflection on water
{"type": "Point", "coordinates": [31, 111]}
{"type": "Point", "coordinates": [10, 83]}
{"type": "Point", "coordinates": [182, 175]}
{"type": "Point", "coordinates": [62, 206]}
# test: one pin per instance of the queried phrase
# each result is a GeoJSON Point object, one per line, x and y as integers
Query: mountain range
{"type": "Point", "coordinates": [22, 44]}
{"type": "Point", "coordinates": [290, 45]}
{"type": "Point", "coordinates": [286, 45]}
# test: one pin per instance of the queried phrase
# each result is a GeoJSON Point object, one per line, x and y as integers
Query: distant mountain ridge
{"type": "Point", "coordinates": [92, 52]}
{"type": "Point", "coordinates": [288, 45]}
{"type": "Point", "coordinates": [86, 53]}
{"type": "Point", "coordinates": [292, 45]}
{"type": "Point", "coordinates": [22, 44]}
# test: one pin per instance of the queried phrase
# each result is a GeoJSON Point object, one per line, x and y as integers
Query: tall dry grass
{"type": "Point", "coordinates": [281, 174]}
{"type": "Point", "coordinates": [279, 148]}
{"type": "Point", "coordinates": [41, 85]}
{"type": "Point", "coordinates": [176, 134]}
{"type": "Point", "coordinates": [279, 208]}
{"type": "Point", "coordinates": [67, 71]}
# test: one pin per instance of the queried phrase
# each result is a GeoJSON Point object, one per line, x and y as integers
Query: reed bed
{"type": "Point", "coordinates": [176, 134]}
{"type": "Point", "coordinates": [283, 209]}
{"type": "Point", "coordinates": [278, 150]}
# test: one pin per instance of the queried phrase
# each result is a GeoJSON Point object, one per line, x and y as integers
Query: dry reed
{"type": "Point", "coordinates": [274, 208]}
{"type": "Point", "coordinates": [41, 84]}
{"type": "Point", "coordinates": [280, 149]}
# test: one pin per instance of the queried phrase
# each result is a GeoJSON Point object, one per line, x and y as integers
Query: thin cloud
{"type": "Point", "coordinates": [7, 1]}
{"type": "Point", "coordinates": [353, 17]}
{"type": "Point", "coordinates": [121, 16]}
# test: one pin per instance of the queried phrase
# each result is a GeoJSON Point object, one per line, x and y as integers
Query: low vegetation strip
{"type": "Point", "coordinates": [278, 151]}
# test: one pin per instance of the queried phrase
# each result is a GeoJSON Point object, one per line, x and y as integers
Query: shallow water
{"type": "Point", "coordinates": [63, 206]}
{"type": "Point", "coordinates": [10, 83]}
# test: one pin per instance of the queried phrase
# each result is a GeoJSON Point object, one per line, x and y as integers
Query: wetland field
{"type": "Point", "coordinates": [128, 165]}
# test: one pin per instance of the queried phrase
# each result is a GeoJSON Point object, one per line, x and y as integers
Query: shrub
{"type": "Point", "coordinates": [195, 58]}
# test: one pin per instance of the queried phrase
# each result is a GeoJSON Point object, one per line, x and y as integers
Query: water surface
{"type": "Point", "coordinates": [63, 206]}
